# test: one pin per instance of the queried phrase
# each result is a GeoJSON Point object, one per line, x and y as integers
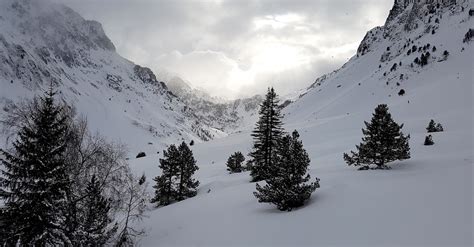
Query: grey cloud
{"type": "Point", "coordinates": [223, 31]}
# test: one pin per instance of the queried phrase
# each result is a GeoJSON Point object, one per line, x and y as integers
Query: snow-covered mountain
{"type": "Point", "coordinates": [423, 201]}
{"type": "Point", "coordinates": [226, 115]}
{"type": "Point", "coordinates": [45, 43]}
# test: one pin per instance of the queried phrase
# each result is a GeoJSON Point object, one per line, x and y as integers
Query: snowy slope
{"type": "Point", "coordinates": [43, 43]}
{"type": "Point", "coordinates": [424, 201]}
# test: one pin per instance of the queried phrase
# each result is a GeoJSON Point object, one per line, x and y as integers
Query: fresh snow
{"type": "Point", "coordinates": [424, 201]}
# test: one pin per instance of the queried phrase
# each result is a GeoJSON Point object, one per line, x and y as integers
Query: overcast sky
{"type": "Point", "coordinates": [234, 48]}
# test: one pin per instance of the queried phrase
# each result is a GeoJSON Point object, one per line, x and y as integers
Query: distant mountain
{"type": "Point", "coordinates": [43, 43]}
{"type": "Point", "coordinates": [225, 115]}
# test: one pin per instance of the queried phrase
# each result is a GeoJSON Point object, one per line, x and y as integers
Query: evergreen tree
{"type": "Point", "coordinates": [428, 140]}
{"type": "Point", "coordinates": [287, 186]}
{"type": "Point", "coordinates": [165, 189]}
{"type": "Point", "coordinates": [35, 182]}
{"type": "Point", "coordinates": [383, 142]}
{"type": "Point", "coordinates": [176, 182]}
{"type": "Point", "coordinates": [187, 185]}
{"type": "Point", "coordinates": [234, 163]}
{"type": "Point", "coordinates": [95, 217]}
{"type": "Point", "coordinates": [266, 135]}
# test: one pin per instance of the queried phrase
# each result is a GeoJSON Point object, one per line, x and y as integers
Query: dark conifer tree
{"type": "Point", "coordinates": [187, 185]}
{"type": "Point", "coordinates": [234, 163]}
{"type": "Point", "coordinates": [95, 217]}
{"type": "Point", "coordinates": [165, 189]}
{"type": "Point", "coordinates": [176, 182]}
{"type": "Point", "coordinates": [434, 127]}
{"type": "Point", "coordinates": [34, 181]}
{"type": "Point", "coordinates": [383, 142]}
{"type": "Point", "coordinates": [287, 186]}
{"type": "Point", "coordinates": [266, 135]}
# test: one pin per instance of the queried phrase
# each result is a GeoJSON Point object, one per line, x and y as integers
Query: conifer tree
{"type": "Point", "coordinates": [165, 189]}
{"type": "Point", "coordinates": [187, 184]}
{"type": "Point", "coordinates": [176, 182]}
{"type": "Point", "coordinates": [95, 217]}
{"type": "Point", "coordinates": [34, 180]}
{"type": "Point", "coordinates": [234, 163]}
{"type": "Point", "coordinates": [266, 135]}
{"type": "Point", "coordinates": [383, 142]}
{"type": "Point", "coordinates": [287, 186]}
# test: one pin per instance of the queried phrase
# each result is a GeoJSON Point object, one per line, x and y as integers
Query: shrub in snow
{"type": "Point", "coordinates": [234, 163]}
{"type": "Point", "coordinates": [394, 67]}
{"type": "Point", "coordinates": [383, 142]}
{"type": "Point", "coordinates": [176, 182]}
{"type": "Point", "coordinates": [266, 136]}
{"type": "Point", "coordinates": [468, 36]}
{"type": "Point", "coordinates": [140, 155]}
{"type": "Point", "coordinates": [439, 127]}
{"type": "Point", "coordinates": [428, 140]}
{"type": "Point", "coordinates": [401, 92]}
{"type": "Point", "coordinates": [191, 143]}
{"type": "Point", "coordinates": [434, 127]}
{"type": "Point", "coordinates": [445, 54]}
{"type": "Point", "coordinates": [287, 184]}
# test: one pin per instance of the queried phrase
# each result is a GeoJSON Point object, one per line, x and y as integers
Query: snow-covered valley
{"type": "Point", "coordinates": [426, 200]}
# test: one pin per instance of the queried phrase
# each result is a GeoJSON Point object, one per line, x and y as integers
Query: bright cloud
{"type": "Point", "coordinates": [237, 48]}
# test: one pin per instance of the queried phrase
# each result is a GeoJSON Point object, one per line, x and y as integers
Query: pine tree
{"type": "Point", "coordinates": [95, 217]}
{"type": "Point", "coordinates": [187, 166]}
{"type": "Point", "coordinates": [383, 142]}
{"type": "Point", "coordinates": [266, 135]}
{"type": "Point", "coordinates": [165, 191]}
{"type": "Point", "coordinates": [287, 186]}
{"type": "Point", "coordinates": [35, 182]}
{"type": "Point", "coordinates": [176, 182]}
{"type": "Point", "coordinates": [234, 163]}
{"type": "Point", "coordinates": [439, 127]}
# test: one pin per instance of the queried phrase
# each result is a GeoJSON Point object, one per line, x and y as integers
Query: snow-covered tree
{"type": "Point", "coordinates": [287, 184]}
{"type": "Point", "coordinates": [234, 162]}
{"type": "Point", "coordinates": [383, 142]}
{"type": "Point", "coordinates": [266, 135]}
{"type": "Point", "coordinates": [34, 180]}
